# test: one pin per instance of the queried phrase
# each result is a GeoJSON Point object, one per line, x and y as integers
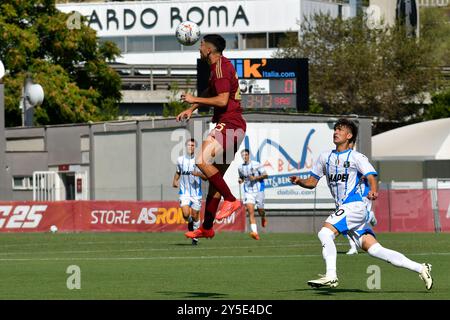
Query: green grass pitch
{"type": "Point", "coordinates": [161, 266]}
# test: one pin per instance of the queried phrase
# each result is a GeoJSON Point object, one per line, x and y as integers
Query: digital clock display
{"type": "Point", "coordinates": [268, 93]}
{"type": "Point", "coordinates": [268, 101]}
{"type": "Point", "coordinates": [266, 83]}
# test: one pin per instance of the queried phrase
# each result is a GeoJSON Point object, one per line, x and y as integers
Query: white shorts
{"type": "Point", "coordinates": [193, 202]}
{"type": "Point", "coordinates": [254, 198]}
{"type": "Point", "coordinates": [351, 218]}
{"type": "Point", "coordinates": [370, 218]}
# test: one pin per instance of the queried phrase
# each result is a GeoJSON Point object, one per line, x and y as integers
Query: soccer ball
{"type": "Point", "coordinates": [187, 33]}
{"type": "Point", "coordinates": [53, 229]}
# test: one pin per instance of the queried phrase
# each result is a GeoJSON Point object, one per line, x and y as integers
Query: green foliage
{"type": "Point", "coordinates": [435, 28]}
{"type": "Point", "coordinates": [362, 70]}
{"type": "Point", "coordinates": [175, 105]}
{"type": "Point", "coordinates": [69, 63]}
{"type": "Point", "coordinates": [315, 107]}
{"type": "Point", "coordinates": [440, 108]}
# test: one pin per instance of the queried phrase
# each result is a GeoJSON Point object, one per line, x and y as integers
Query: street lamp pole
{"type": "Point", "coordinates": [5, 176]}
{"type": "Point", "coordinates": [32, 95]}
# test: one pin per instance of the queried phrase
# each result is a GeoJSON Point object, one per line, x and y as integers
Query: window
{"type": "Point", "coordinates": [276, 38]}
{"type": "Point", "coordinates": [119, 41]}
{"type": "Point", "coordinates": [194, 47]}
{"type": "Point", "coordinates": [167, 43]}
{"type": "Point", "coordinates": [232, 41]}
{"type": "Point", "coordinates": [140, 44]}
{"type": "Point", "coordinates": [22, 183]}
{"type": "Point", "coordinates": [255, 40]}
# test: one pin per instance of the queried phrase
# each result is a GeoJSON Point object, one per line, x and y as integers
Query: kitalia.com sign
{"type": "Point", "coordinates": [108, 216]}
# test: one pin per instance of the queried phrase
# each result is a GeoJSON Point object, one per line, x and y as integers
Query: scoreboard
{"type": "Point", "coordinates": [268, 94]}
{"type": "Point", "coordinates": [267, 84]}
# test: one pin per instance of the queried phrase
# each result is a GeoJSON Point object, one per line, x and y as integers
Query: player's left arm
{"type": "Point", "coordinates": [373, 193]}
{"type": "Point", "coordinates": [365, 167]}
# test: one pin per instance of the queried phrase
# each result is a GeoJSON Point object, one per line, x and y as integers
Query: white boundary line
{"type": "Point", "coordinates": [187, 247]}
{"type": "Point", "coordinates": [191, 257]}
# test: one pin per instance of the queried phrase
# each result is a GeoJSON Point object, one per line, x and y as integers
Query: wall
{"type": "Point", "coordinates": [129, 160]}
{"type": "Point", "coordinates": [58, 138]}
{"type": "Point", "coordinates": [115, 166]}
{"type": "Point", "coordinates": [436, 169]}
{"type": "Point", "coordinates": [399, 170]}
{"type": "Point", "coordinates": [157, 166]}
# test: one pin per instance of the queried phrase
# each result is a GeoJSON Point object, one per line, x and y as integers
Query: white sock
{"type": "Point", "coordinates": [196, 224]}
{"type": "Point", "coordinates": [329, 251]}
{"type": "Point", "coordinates": [254, 228]}
{"type": "Point", "coordinates": [395, 258]}
{"type": "Point", "coordinates": [352, 244]}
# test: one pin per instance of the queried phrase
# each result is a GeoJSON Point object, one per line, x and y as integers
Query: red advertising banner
{"type": "Point", "coordinates": [404, 211]}
{"type": "Point", "coordinates": [381, 209]}
{"type": "Point", "coordinates": [103, 216]}
{"type": "Point", "coordinates": [444, 209]}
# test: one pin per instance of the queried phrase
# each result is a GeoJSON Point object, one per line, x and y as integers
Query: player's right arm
{"type": "Point", "coordinates": [222, 86]}
{"type": "Point", "coordinates": [176, 180]}
{"type": "Point", "coordinates": [309, 183]}
{"type": "Point", "coordinates": [221, 100]}
{"type": "Point", "coordinates": [176, 177]}
{"type": "Point", "coordinates": [241, 176]}
{"type": "Point", "coordinates": [316, 173]}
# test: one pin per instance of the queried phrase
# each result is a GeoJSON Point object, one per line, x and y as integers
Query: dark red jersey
{"type": "Point", "coordinates": [223, 78]}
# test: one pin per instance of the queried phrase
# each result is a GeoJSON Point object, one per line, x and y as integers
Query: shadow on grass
{"type": "Point", "coordinates": [333, 291]}
{"type": "Point", "coordinates": [199, 295]}
{"type": "Point", "coordinates": [188, 244]}
{"type": "Point", "coordinates": [345, 253]}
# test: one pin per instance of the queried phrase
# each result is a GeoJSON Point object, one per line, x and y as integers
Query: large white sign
{"type": "Point", "coordinates": [162, 17]}
{"type": "Point", "coordinates": [286, 149]}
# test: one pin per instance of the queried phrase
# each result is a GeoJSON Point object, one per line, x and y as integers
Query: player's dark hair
{"type": "Point", "coordinates": [245, 150]}
{"type": "Point", "coordinates": [192, 140]}
{"type": "Point", "coordinates": [350, 125]}
{"type": "Point", "coordinates": [217, 41]}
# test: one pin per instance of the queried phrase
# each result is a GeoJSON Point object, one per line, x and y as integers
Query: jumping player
{"type": "Point", "coordinates": [218, 149]}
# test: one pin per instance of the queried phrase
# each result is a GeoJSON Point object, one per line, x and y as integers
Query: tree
{"type": "Point", "coordinates": [175, 105]}
{"type": "Point", "coordinates": [368, 71]}
{"type": "Point", "coordinates": [440, 107]}
{"type": "Point", "coordinates": [69, 63]}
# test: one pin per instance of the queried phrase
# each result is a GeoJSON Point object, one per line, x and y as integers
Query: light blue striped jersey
{"type": "Point", "coordinates": [253, 168]}
{"type": "Point", "coordinates": [343, 171]}
{"type": "Point", "coordinates": [364, 187]}
{"type": "Point", "coordinates": [190, 185]}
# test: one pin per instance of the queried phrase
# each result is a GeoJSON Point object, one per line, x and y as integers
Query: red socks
{"type": "Point", "coordinates": [217, 181]}
{"type": "Point", "coordinates": [210, 211]}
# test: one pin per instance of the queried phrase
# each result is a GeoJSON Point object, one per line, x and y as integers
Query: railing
{"type": "Point", "coordinates": [433, 3]}
{"type": "Point", "coordinates": [162, 77]}
{"type": "Point", "coordinates": [156, 77]}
